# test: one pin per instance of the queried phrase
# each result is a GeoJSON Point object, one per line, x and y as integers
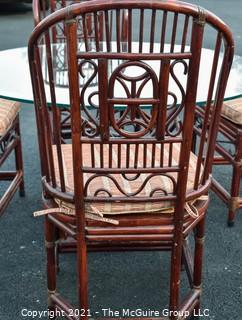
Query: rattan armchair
{"type": "Point", "coordinates": [10, 142]}
{"type": "Point", "coordinates": [228, 152]}
{"type": "Point", "coordinates": [129, 180]}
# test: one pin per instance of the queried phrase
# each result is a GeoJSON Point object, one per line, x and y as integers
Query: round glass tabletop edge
{"type": "Point", "coordinates": [67, 105]}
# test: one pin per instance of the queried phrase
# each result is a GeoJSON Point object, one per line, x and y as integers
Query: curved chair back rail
{"type": "Point", "coordinates": [131, 132]}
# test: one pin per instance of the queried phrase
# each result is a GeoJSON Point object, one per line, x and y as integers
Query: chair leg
{"type": "Point", "coordinates": [198, 259]}
{"type": "Point", "coordinates": [19, 159]}
{"type": "Point", "coordinates": [235, 189]}
{"type": "Point", "coordinates": [51, 264]}
{"type": "Point", "coordinates": [57, 256]}
{"type": "Point", "coordinates": [187, 260]}
{"type": "Point", "coordinates": [176, 263]}
{"type": "Point", "coordinates": [82, 275]}
{"type": "Point", "coordinates": [57, 250]}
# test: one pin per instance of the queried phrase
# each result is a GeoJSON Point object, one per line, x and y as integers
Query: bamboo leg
{"type": "Point", "coordinates": [188, 261]}
{"type": "Point", "coordinates": [235, 188]}
{"type": "Point", "coordinates": [58, 236]}
{"type": "Point", "coordinates": [176, 262]}
{"type": "Point", "coordinates": [198, 258]}
{"type": "Point", "coordinates": [82, 275]}
{"type": "Point", "coordinates": [57, 256]}
{"type": "Point", "coordinates": [51, 265]}
{"type": "Point", "coordinates": [19, 158]}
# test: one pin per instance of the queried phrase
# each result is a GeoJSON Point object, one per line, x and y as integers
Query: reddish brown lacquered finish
{"type": "Point", "coordinates": [11, 142]}
{"type": "Point", "coordinates": [165, 123]}
{"type": "Point", "coordinates": [229, 149]}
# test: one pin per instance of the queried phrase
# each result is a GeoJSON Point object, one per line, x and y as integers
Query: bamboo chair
{"type": "Point", "coordinates": [128, 181]}
{"type": "Point", "coordinates": [229, 152]}
{"type": "Point", "coordinates": [10, 141]}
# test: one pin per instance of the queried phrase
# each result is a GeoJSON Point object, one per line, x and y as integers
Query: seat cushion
{"type": "Point", "coordinates": [232, 110]}
{"type": "Point", "coordinates": [160, 182]}
{"type": "Point", "coordinates": [8, 111]}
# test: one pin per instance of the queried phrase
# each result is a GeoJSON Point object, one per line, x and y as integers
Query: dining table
{"type": "Point", "coordinates": [15, 81]}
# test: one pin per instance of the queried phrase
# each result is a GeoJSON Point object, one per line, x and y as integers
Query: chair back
{"type": "Point", "coordinates": [132, 102]}
{"type": "Point", "coordinates": [42, 9]}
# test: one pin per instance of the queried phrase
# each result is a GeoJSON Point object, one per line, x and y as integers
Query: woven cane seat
{"type": "Point", "coordinates": [114, 208]}
{"type": "Point", "coordinates": [8, 111]}
{"type": "Point", "coordinates": [232, 110]}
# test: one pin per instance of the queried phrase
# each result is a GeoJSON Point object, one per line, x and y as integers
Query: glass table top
{"type": "Point", "coordinates": [15, 82]}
